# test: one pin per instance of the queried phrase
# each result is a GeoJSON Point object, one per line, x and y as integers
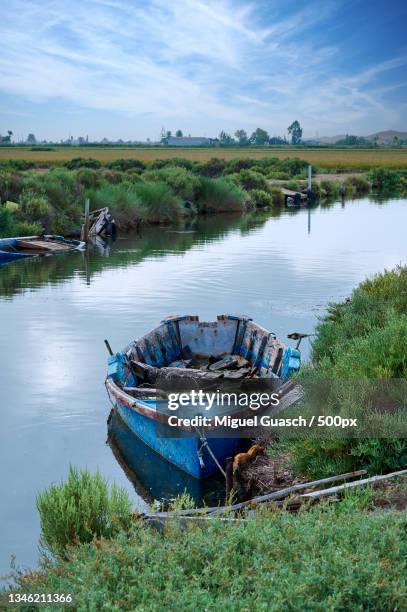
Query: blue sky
{"type": "Point", "coordinates": [125, 68]}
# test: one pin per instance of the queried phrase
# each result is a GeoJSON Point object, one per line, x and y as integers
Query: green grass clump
{"type": "Point", "coordinates": [82, 162]}
{"type": "Point", "coordinates": [159, 204]}
{"type": "Point", "coordinates": [330, 558]}
{"type": "Point", "coordinates": [261, 199]}
{"type": "Point", "coordinates": [124, 202]}
{"type": "Point", "coordinates": [329, 189]}
{"type": "Point", "coordinates": [249, 179]}
{"type": "Point", "coordinates": [359, 356]}
{"type": "Point", "coordinates": [80, 509]}
{"type": "Point", "coordinates": [357, 186]}
{"type": "Point", "coordinates": [221, 195]}
{"type": "Point", "coordinates": [182, 181]}
{"type": "Point", "coordinates": [387, 180]}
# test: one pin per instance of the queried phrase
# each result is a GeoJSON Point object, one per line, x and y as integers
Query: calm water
{"type": "Point", "coordinates": [56, 311]}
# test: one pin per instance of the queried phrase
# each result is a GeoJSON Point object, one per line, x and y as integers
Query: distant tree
{"type": "Point", "coordinates": [295, 131]}
{"type": "Point", "coordinates": [31, 139]}
{"type": "Point", "coordinates": [277, 140]}
{"type": "Point", "coordinates": [396, 141]}
{"type": "Point", "coordinates": [6, 139]}
{"type": "Point", "coordinates": [242, 138]}
{"type": "Point", "coordinates": [351, 140]}
{"type": "Point", "coordinates": [168, 134]}
{"type": "Point", "coordinates": [225, 139]}
{"type": "Point", "coordinates": [259, 137]}
{"type": "Point", "coordinates": [179, 134]}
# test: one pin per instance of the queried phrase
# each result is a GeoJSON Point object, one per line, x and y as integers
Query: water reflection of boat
{"type": "Point", "coordinates": [153, 478]}
{"type": "Point", "coordinates": [183, 349]}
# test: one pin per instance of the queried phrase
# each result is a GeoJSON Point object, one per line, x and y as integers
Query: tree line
{"type": "Point", "coordinates": [243, 139]}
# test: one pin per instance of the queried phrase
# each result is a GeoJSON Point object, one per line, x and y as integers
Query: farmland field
{"type": "Point", "coordinates": [346, 159]}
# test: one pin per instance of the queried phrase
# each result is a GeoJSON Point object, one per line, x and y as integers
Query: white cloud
{"type": "Point", "coordinates": [189, 62]}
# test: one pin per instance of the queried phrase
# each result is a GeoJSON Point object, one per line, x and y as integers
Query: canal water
{"type": "Point", "coordinates": [55, 312]}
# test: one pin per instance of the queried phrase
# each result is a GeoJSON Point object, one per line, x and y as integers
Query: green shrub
{"type": "Point", "coordinates": [37, 209]}
{"type": "Point", "coordinates": [124, 202]}
{"type": "Point", "coordinates": [281, 176]}
{"type": "Point", "coordinates": [249, 179]}
{"type": "Point", "coordinates": [81, 509]}
{"type": "Point", "coordinates": [329, 189]}
{"type": "Point", "coordinates": [358, 185]}
{"type": "Point", "coordinates": [10, 185]}
{"type": "Point", "coordinates": [82, 162]}
{"type": "Point", "coordinates": [178, 162]}
{"type": "Point", "coordinates": [10, 228]}
{"type": "Point", "coordinates": [337, 557]}
{"type": "Point", "coordinates": [159, 204]}
{"type": "Point", "coordinates": [384, 179]}
{"type": "Point", "coordinates": [238, 164]}
{"type": "Point", "coordinates": [293, 166]}
{"type": "Point", "coordinates": [293, 185]}
{"type": "Point", "coordinates": [359, 344]}
{"type": "Point", "coordinates": [261, 199]}
{"type": "Point", "coordinates": [126, 164]}
{"type": "Point", "coordinates": [89, 178]}
{"type": "Point", "coordinates": [220, 195]}
{"type": "Point", "coordinates": [112, 176]}
{"type": "Point", "coordinates": [181, 181]}
{"type": "Point", "coordinates": [6, 222]}
{"type": "Point", "coordinates": [213, 168]}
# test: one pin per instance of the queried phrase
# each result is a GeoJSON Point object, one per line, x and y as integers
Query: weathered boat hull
{"type": "Point", "coordinates": [182, 452]}
{"type": "Point", "coordinates": [13, 249]}
{"type": "Point", "coordinates": [166, 344]}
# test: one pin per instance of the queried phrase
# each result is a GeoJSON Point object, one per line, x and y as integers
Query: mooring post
{"type": "Point", "coordinates": [310, 178]}
{"type": "Point", "coordinates": [85, 227]}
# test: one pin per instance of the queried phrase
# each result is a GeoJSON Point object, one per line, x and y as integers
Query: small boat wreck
{"type": "Point", "coordinates": [12, 249]}
{"type": "Point", "coordinates": [185, 349]}
{"type": "Point", "coordinates": [294, 199]}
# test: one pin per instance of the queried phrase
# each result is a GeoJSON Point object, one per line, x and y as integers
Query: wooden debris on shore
{"type": "Point", "coordinates": [285, 497]}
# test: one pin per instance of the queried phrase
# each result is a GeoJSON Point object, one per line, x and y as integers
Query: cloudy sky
{"type": "Point", "coordinates": [126, 68]}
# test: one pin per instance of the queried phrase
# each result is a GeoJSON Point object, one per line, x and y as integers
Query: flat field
{"type": "Point", "coordinates": [342, 159]}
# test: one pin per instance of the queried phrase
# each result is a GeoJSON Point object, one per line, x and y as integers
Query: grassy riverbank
{"type": "Point", "coordinates": [340, 557]}
{"type": "Point", "coordinates": [162, 191]}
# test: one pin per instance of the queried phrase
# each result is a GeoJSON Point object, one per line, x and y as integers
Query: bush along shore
{"type": "Point", "coordinates": [348, 555]}
{"type": "Point", "coordinates": [51, 200]}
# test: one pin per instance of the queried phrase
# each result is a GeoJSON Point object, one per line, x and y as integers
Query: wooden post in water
{"type": "Point", "coordinates": [309, 178]}
{"type": "Point", "coordinates": [85, 226]}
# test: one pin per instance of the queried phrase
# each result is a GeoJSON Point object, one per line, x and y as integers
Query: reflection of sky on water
{"type": "Point", "coordinates": [53, 362]}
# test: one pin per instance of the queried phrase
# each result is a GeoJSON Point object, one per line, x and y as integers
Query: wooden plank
{"type": "Point", "coordinates": [269, 497]}
{"type": "Point", "coordinates": [44, 245]}
{"type": "Point", "coordinates": [352, 485]}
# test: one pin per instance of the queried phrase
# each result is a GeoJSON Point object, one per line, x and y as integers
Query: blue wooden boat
{"type": "Point", "coordinates": [13, 249]}
{"type": "Point", "coordinates": [174, 348]}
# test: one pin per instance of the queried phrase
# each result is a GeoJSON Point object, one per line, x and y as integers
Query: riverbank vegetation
{"type": "Point", "coordinates": [162, 191]}
{"type": "Point", "coordinates": [337, 557]}
{"type": "Point", "coordinates": [359, 357]}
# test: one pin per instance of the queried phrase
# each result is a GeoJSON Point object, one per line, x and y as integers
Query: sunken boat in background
{"type": "Point", "coordinates": [12, 249]}
{"type": "Point", "coordinates": [183, 348]}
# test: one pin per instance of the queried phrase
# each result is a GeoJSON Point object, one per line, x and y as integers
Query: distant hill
{"type": "Point", "coordinates": [386, 137]}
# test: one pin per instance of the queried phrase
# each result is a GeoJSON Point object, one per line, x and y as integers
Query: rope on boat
{"type": "Point", "coordinates": [204, 444]}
